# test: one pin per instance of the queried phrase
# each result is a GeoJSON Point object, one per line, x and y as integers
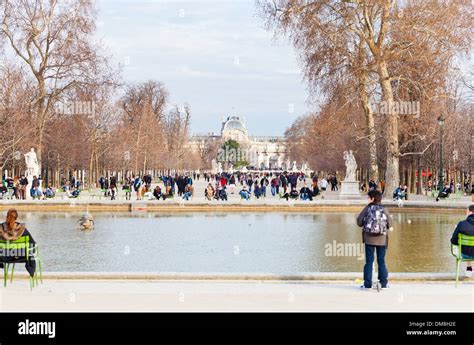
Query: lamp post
{"type": "Point", "coordinates": [440, 171]}
{"type": "Point", "coordinates": [471, 178]}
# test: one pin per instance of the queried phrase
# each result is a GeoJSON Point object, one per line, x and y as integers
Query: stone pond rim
{"type": "Point", "coordinates": [318, 206]}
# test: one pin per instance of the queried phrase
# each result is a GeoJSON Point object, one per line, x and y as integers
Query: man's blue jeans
{"type": "Point", "coordinates": [273, 190]}
{"type": "Point", "coordinates": [245, 195]}
{"type": "Point", "coordinates": [369, 263]}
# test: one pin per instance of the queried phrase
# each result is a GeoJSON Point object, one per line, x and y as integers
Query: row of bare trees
{"type": "Point", "coordinates": [357, 54]}
{"type": "Point", "coordinates": [60, 94]}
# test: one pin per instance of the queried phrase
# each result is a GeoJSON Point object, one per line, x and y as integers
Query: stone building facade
{"type": "Point", "coordinates": [263, 152]}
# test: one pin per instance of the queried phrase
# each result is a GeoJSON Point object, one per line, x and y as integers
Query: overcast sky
{"type": "Point", "coordinates": [213, 54]}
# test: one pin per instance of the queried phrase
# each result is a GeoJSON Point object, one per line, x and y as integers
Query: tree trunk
{"type": "Point", "coordinates": [393, 153]}
{"type": "Point", "coordinates": [369, 116]}
{"type": "Point", "coordinates": [40, 118]}
{"type": "Point", "coordinates": [371, 134]}
{"type": "Point", "coordinates": [91, 169]}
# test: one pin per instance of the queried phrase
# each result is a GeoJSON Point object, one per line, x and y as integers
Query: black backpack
{"type": "Point", "coordinates": [375, 222]}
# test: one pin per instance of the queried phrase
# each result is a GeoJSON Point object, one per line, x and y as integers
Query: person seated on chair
{"type": "Point", "coordinates": [49, 192]}
{"type": "Point", "coordinates": [157, 193]}
{"type": "Point", "coordinates": [405, 192]}
{"type": "Point", "coordinates": [127, 188]}
{"type": "Point", "coordinates": [74, 194]}
{"type": "Point", "coordinates": [170, 192]}
{"type": "Point", "coordinates": [66, 189]}
{"type": "Point", "coordinates": [466, 227]}
{"type": "Point", "coordinates": [221, 192]}
{"type": "Point", "coordinates": [398, 194]}
{"type": "Point", "coordinates": [306, 193]}
{"type": "Point", "coordinates": [187, 192]}
{"type": "Point", "coordinates": [444, 192]}
{"type": "Point", "coordinates": [10, 230]}
{"type": "Point", "coordinates": [315, 188]}
{"type": "Point", "coordinates": [292, 195]}
{"type": "Point", "coordinates": [35, 191]}
{"type": "Point", "coordinates": [190, 188]}
{"type": "Point", "coordinates": [3, 191]}
{"type": "Point", "coordinates": [244, 193]}
{"type": "Point", "coordinates": [209, 192]}
{"type": "Point", "coordinates": [372, 185]}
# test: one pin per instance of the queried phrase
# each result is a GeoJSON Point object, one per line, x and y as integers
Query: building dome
{"type": "Point", "coordinates": [234, 128]}
{"type": "Point", "coordinates": [233, 123]}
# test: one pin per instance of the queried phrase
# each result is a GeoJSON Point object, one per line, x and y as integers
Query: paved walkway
{"type": "Point", "coordinates": [253, 296]}
{"type": "Point", "coordinates": [329, 201]}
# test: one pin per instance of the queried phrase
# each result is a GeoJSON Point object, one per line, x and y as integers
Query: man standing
{"type": "Point", "coordinates": [102, 182]}
{"type": "Point", "coordinates": [323, 184]}
{"type": "Point", "coordinates": [466, 227]}
{"type": "Point", "coordinates": [23, 186]}
{"type": "Point", "coordinates": [375, 222]}
{"type": "Point", "coordinates": [113, 187]}
{"type": "Point", "coordinates": [284, 182]}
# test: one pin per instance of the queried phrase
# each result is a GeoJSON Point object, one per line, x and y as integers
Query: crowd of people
{"type": "Point", "coordinates": [219, 186]}
{"type": "Point", "coordinates": [402, 191]}
{"type": "Point", "coordinates": [17, 188]}
{"type": "Point", "coordinates": [261, 185]}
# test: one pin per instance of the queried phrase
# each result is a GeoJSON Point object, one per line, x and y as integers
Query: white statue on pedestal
{"type": "Point", "coordinates": [32, 169]}
{"type": "Point", "coordinates": [351, 166]}
{"type": "Point", "coordinates": [32, 166]}
{"type": "Point", "coordinates": [215, 166]}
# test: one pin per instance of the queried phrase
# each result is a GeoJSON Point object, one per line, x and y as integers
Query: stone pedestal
{"type": "Point", "coordinates": [349, 190]}
{"type": "Point", "coordinates": [28, 187]}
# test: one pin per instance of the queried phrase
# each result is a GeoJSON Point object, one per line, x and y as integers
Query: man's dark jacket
{"type": "Point", "coordinates": [466, 227]}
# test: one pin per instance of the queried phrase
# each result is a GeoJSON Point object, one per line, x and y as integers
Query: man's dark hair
{"type": "Point", "coordinates": [471, 208]}
{"type": "Point", "coordinates": [376, 195]}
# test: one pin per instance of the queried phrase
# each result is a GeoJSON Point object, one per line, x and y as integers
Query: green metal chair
{"type": "Point", "coordinates": [102, 193]}
{"type": "Point", "coordinates": [10, 194]}
{"type": "Point", "coordinates": [21, 245]}
{"type": "Point", "coordinates": [432, 194]}
{"type": "Point", "coordinates": [457, 196]}
{"type": "Point", "coordinates": [127, 192]}
{"type": "Point", "coordinates": [93, 193]}
{"type": "Point", "coordinates": [463, 240]}
{"type": "Point", "coordinates": [59, 193]}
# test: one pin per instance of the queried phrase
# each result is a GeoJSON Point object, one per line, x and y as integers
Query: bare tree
{"type": "Point", "coordinates": [176, 134]}
{"type": "Point", "coordinates": [54, 40]}
{"type": "Point", "coordinates": [15, 112]}
{"type": "Point", "coordinates": [389, 33]}
{"type": "Point", "coordinates": [144, 107]}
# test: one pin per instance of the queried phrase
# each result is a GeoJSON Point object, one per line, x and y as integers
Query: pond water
{"type": "Point", "coordinates": [235, 242]}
